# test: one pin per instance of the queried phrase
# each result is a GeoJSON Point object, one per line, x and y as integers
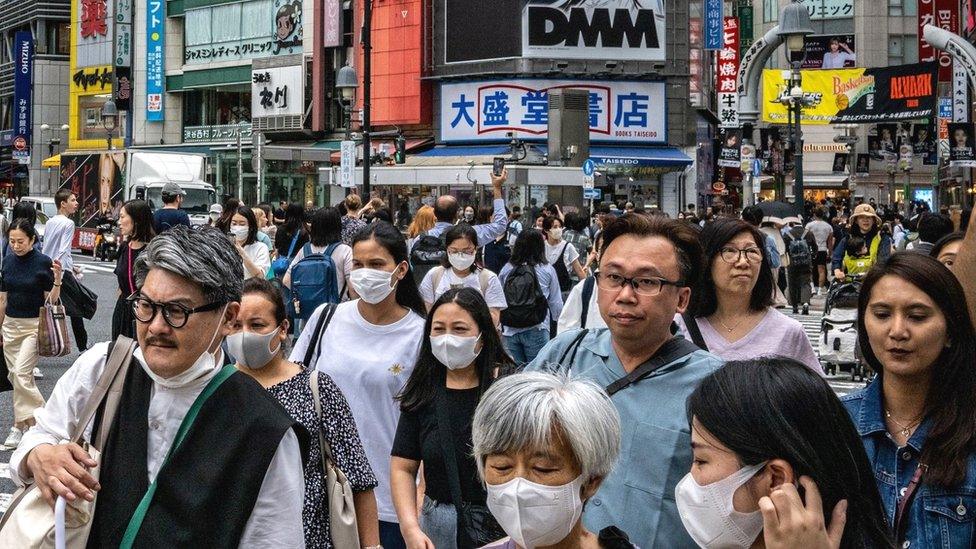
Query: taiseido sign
{"type": "Point", "coordinates": [594, 29]}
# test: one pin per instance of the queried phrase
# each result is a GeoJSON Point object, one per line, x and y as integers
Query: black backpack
{"type": "Point", "coordinates": [799, 252]}
{"type": "Point", "coordinates": [496, 254]}
{"type": "Point", "coordinates": [527, 306]}
{"type": "Point", "coordinates": [428, 251]}
{"type": "Point", "coordinates": [562, 273]}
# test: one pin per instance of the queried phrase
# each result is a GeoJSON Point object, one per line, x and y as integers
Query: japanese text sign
{"type": "Point", "coordinates": [155, 45]}
{"type": "Point", "coordinates": [945, 15]}
{"type": "Point", "coordinates": [277, 91]}
{"type": "Point", "coordinates": [23, 74]}
{"type": "Point", "coordinates": [830, 9]}
{"type": "Point", "coordinates": [713, 24]}
{"type": "Point", "coordinates": [726, 72]}
{"type": "Point", "coordinates": [487, 111]}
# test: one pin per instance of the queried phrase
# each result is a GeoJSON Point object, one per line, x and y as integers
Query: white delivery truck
{"type": "Point", "coordinates": [147, 172]}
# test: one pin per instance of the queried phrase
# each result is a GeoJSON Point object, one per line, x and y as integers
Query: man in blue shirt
{"type": "Point", "coordinates": [647, 269]}
{"type": "Point", "coordinates": [170, 215]}
{"type": "Point", "coordinates": [446, 212]}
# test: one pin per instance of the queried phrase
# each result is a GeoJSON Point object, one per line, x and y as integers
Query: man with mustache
{"type": "Point", "coordinates": [647, 269]}
{"type": "Point", "coordinates": [236, 478]}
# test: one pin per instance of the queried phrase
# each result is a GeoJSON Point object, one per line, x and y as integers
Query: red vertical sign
{"type": "Point", "coordinates": [943, 14]}
{"type": "Point", "coordinates": [726, 72]}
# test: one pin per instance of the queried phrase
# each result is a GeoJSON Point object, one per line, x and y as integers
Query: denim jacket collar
{"type": "Point", "coordinates": [871, 418]}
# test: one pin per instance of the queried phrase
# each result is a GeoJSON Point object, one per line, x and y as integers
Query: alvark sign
{"type": "Point", "coordinates": [584, 29]}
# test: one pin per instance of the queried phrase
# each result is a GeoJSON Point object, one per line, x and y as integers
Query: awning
{"type": "Point", "coordinates": [52, 162]}
{"type": "Point", "coordinates": [829, 181]}
{"type": "Point", "coordinates": [629, 157]}
{"type": "Point", "coordinates": [461, 155]}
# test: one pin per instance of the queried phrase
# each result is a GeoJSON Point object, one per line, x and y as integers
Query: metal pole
{"type": "Point", "coordinates": [798, 153]}
{"type": "Point", "coordinates": [240, 168]}
{"type": "Point", "coordinates": [367, 76]}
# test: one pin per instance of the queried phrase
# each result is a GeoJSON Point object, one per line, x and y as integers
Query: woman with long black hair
{"type": "Point", "coordinates": [369, 347]}
{"type": "Point", "coordinates": [917, 419]}
{"type": "Point", "coordinates": [458, 361]}
{"type": "Point", "coordinates": [292, 235]}
{"type": "Point", "coordinates": [136, 225]}
{"type": "Point", "coordinates": [761, 431]}
{"type": "Point", "coordinates": [525, 328]}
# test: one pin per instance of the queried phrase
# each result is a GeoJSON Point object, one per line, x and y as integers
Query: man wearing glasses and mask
{"type": "Point", "coordinates": [234, 476]}
{"type": "Point", "coordinates": [646, 272]}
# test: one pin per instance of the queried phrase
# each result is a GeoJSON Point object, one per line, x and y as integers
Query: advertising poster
{"type": "Point", "coordinates": [829, 51]}
{"type": "Point", "coordinates": [840, 163]}
{"type": "Point", "coordinates": [863, 164]}
{"type": "Point", "coordinates": [731, 147]}
{"type": "Point", "coordinates": [620, 111]}
{"type": "Point", "coordinates": [905, 157]}
{"type": "Point", "coordinates": [852, 96]}
{"type": "Point", "coordinates": [155, 45]}
{"type": "Point", "coordinates": [627, 30]}
{"type": "Point", "coordinates": [771, 151]}
{"type": "Point", "coordinates": [923, 143]}
{"type": "Point", "coordinates": [23, 102]}
{"type": "Point", "coordinates": [884, 143]}
{"type": "Point", "coordinates": [287, 27]}
{"type": "Point", "coordinates": [961, 143]}
{"type": "Point", "coordinates": [96, 179]}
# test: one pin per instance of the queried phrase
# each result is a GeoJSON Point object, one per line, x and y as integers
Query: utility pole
{"type": "Point", "coordinates": [367, 77]}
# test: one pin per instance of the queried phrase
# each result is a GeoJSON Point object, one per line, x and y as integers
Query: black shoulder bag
{"type": "Point", "coordinates": [673, 349]}
{"type": "Point", "coordinates": [320, 327]}
{"type": "Point", "coordinates": [694, 331]}
{"type": "Point", "coordinates": [476, 527]}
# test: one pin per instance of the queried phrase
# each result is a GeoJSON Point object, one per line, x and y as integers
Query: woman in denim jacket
{"type": "Point", "coordinates": [917, 419]}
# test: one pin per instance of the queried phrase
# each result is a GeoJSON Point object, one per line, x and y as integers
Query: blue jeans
{"type": "Point", "coordinates": [390, 537]}
{"type": "Point", "coordinates": [438, 521]}
{"type": "Point", "coordinates": [524, 346]}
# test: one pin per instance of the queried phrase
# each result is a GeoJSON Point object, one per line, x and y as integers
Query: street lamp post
{"type": "Point", "coordinates": [110, 119]}
{"type": "Point", "coordinates": [794, 26]}
{"type": "Point", "coordinates": [347, 83]}
{"type": "Point", "coordinates": [367, 77]}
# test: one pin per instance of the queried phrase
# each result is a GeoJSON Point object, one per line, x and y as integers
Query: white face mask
{"type": "Point", "coordinates": [454, 351]}
{"type": "Point", "coordinates": [205, 363]}
{"type": "Point", "coordinates": [708, 514]}
{"type": "Point", "coordinates": [556, 233]}
{"type": "Point", "coordinates": [461, 262]}
{"type": "Point", "coordinates": [533, 514]}
{"type": "Point", "coordinates": [252, 350]}
{"type": "Point", "coordinates": [372, 285]}
{"type": "Point", "coordinates": [214, 216]}
{"type": "Point", "coordinates": [240, 233]}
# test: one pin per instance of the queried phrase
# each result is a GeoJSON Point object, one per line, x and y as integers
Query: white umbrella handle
{"type": "Point", "coordinates": [59, 537]}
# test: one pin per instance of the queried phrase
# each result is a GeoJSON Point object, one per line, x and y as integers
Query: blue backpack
{"type": "Point", "coordinates": [313, 282]}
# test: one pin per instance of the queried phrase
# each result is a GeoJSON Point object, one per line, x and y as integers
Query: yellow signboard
{"type": "Point", "coordinates": [88, 89]}
{"type": "Point", "coordinates": [826, 89]}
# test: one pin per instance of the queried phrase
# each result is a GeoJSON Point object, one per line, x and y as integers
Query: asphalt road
{"type": "Point", "coordinates": [99, 278]}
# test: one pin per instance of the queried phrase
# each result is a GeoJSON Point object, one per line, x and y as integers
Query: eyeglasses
{"type": "Point", "coordinates": [648, 286]}
{"type": "Point", "coordinates": [732, 255]}
{"type": "Point", "coordinates": [175, 314]}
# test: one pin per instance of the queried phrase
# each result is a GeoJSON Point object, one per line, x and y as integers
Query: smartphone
{"type": "Point", "coordinates": [497, 166]}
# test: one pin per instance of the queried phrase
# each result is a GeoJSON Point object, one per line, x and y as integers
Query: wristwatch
{"type": "Point", "coordinates": [374, 547]}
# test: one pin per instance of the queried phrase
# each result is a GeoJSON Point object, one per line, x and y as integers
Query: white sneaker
{"type": "Point", "coordinates": [38, 374]}
{"type": "Point", "coordinates": [13, 439]}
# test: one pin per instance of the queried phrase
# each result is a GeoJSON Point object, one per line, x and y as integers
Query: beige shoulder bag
{"type": "Point", "coordinates": [342, 509]}
{"type": "Point", "coordinates": [29, 521]}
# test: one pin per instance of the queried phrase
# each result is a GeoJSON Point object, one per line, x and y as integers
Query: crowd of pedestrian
{"type": "Point", "coordinates": [463, 376]}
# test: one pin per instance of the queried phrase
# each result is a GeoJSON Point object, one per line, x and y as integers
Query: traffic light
{"type": "Point", "coordinates": [400, 156]}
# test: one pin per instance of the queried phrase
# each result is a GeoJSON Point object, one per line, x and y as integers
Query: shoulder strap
{"type": "Point", "coordinates": [672, 350]}
{"type": "Point", "coordinates": [307, 250]}
{"type": "Point", "coordinates": [572, 348]}
{"type": "Point", "coordinates": [320, 327]}
{"type": "Point", "coordinates": [484, 279]}
{"type": "Point", "coordinates": [294, 242]}
{"type": "Point", "coordinates": [331, 248]}
{"type": "Point", "coordinates": [437, 273]}
{"type": "Point", "coordinates": [118, 358]}
{"type": "Point", "coordinates": [562, 252]}
{"type": "Point", "coordinates": [587, 294]}
{"type": "Point", "coordinates": [313, 381]}
{"type": "Point", "coordinates": [450, 460]}
{"type": "Point", "coordinates": [694, 330]}
{"type": "Point", "coordinates": [135, 523]}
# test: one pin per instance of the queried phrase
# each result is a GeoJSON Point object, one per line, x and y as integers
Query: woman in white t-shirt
{"type": "Point", "coordinates": [254, 254]}
{"type": "Point", "coordinates": [326, 230]}
{"type": "Point", "coordinates": [556, 249]}
{"type": "Point", "coordinates": [369, 346]}
{"type": "Point", "coordinates": [459, 271]}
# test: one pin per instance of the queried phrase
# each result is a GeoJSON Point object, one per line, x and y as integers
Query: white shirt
{"type": "Point", "coordinates": [341, 256]}
{"type": "Point", "coordinates": [571, 255]}
{"type": "Point", "coordinates": [370, 364]}
{"type": "Point", "coordinates": [572, 313]}
{"type": "Point", "coordinates": [59, 231]}
{"type": "Point", "coordinates": [837, 60]}
{"type": "Point", "coordinates": [276, 519]}
{"type": "Point", "coordinates": [258, 253]}
{"type": "Point", "coordinates": [494, 295]}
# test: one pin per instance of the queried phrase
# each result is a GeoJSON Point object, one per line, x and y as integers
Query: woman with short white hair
{"type": "Point", "coordinates": [543, 444]}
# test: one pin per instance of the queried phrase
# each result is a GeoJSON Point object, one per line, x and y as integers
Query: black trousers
{"type": "Point", "coordinates": [77, 322]}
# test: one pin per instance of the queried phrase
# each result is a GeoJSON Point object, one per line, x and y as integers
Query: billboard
{"type": "Point", "coordinates": [23, 102]}
{"type": "Point", "coordinates": [278, 91]}
{"type": "Point", "coordinates": [728, 156]}
{"type": "Point", "coordinates": [287, 27]}
{"type": "Point", "coordinates": [829, 51]}
{"type": "Point", "coordinates": [464, 19]}
{"type": "Point", "coordinates": [713, 24]}
{"type": "Point", "coordinates": [94, 32]}
{"type": "Point", "coordinates": [881, 94]}
{"type": "Point", "coordinates": [726, 72]}
{"type": "Point", "coordinates": [943, 14]}
{"type": "Point", "coordinates": [486, 111]}
{"type": "Point", "coordinates": [626, 30]}
{"type": "Point", "coordinates": [155, 59]}
{"type": "Point", "coordinates": [829, 9]}
{"type": "Point", "coordinates": [96, 179]}
{"type": "Point", "coordinates": [962, 144]}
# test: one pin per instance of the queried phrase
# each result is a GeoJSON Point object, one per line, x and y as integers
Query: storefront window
{"type": "Point", "coordinates": [90, 119]}
{"type": "Point", "coordinates": [216, 108]}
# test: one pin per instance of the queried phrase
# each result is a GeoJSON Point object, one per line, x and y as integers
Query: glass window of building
{"type": "Point", "coordinates": [902, 49]}
{"type": "Point", "coordinates": [903, 7]}
{"type": "Point", "coordinates": [770, 11]}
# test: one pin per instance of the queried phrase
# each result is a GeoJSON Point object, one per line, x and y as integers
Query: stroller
{"type": "Point", "coordinates": [838, 327]}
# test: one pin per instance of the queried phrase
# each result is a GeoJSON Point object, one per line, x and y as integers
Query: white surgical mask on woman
{"type": "Point", "coordinates": [533, 514]}
{"type": "Point", "coordinates": [239, 232]}
{"type": "Point", "coordinates": [556, 233]}
{"type": "Point", "coordinates": [372, 285]}
{"type": "Point", "coordinates": [461, 261]}
{"type": "Point", "coordinates": [708, 514]}
{"type": "Point", "coordinates": [454, 351]}
{"type": "Point", "coordinates": [252, 350]}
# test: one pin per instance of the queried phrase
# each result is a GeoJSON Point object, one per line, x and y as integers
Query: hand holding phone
{"type": "Point", "coordinates": [497, 166]}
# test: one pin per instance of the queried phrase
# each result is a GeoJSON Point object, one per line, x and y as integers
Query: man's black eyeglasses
{"type": "Point", "coordinates": [175, 314]}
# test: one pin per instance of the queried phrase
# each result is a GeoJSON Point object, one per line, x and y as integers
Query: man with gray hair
{"type": "Point", "coordinates": [230, 478]}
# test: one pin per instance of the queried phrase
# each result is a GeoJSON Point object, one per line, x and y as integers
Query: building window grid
{"type": "Point", "coordinates": [907, 8]}
{"type": "Point", "coordinates": [770, 11]}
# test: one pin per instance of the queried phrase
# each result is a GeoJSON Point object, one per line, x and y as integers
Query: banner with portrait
{"type": "Point", "coordinates": [731, 145]}
{"type": "Point", "coordinates": [840, 163]}
{"type": "Point", "coordinates": [771, 151]}
{"type": "Point", "coordinates": [923, 144]}
{"type": "Point", "coordinates": [863, 164]}
{"type": "Point", "coordinates": [856, 96]}
{"type": "Point", "coordinates": [961, 145]}
{"type": "Point", "coordinates": [885, 142]}
{"type": "Point", "coordinates": [829, 51]}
